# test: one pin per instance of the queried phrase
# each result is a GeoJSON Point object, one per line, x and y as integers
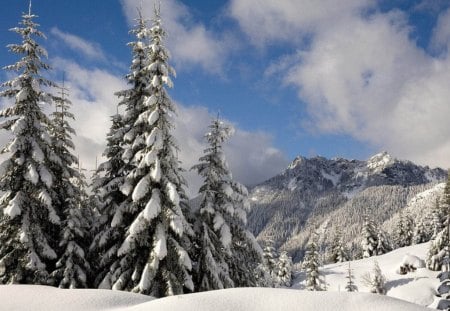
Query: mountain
{"type": "Point", "coordinates": [333, 194]}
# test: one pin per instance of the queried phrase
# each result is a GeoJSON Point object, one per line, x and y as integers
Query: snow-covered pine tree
{"type": "Point", "coordinates": [439, 247]}
{"type": "Point", "coordinates": [383, 245]}
{"type": "Point", "coordinates": [404, 231]}
{"type": "Point", "coordinates": [339, 253]}
{"type": "Point", "coordinates": [420, 233]}
{"type": "Point", "coordinates": [438, 218]}
{"type": "Point", "coordinates": [152, 258]}
{"type": "Point", "coordinates": [270, 261]}
{"type": "Point", "coordinates": [109, 227]}
{"type": "Point", "coordinates": [311, 264]}
{"type": "Point", "coordinates": [246, 253]}
{"type": "Point", "coordinates": [369, 241]}
{"type": "Point", "coordinates": [284, 270]}
{"type": "Point", "coordinates": [376, 281]}
{"type": "Point", "coordinates": [30, 224]}
{"type": "Point", "coordinates": [350, 286]}
{"type": "Point", "coordinates": [72, 267]}
{"type": "Point", "coordinates": [215, 215]}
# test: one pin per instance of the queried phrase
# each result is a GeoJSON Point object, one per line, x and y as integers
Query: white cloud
{"type": "Point", "coordinates": [267, 21]}
{"type": "Point", "coordinates": [252, 156]}
{"type": "Point", "coordinates": [362, 75]}
{"type": "Point", "coordinates": [89, 49]}
{"type": "Point", "coordinates": [441, 34]}
{"type": "Point", "coordinates": [190, 43]}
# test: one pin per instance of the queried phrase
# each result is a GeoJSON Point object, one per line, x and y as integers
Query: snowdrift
{"type": "Point", "coordinates": [42, 298]}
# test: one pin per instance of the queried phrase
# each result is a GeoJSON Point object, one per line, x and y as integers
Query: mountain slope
{"type": "Point", "coordinates": [335, 194]}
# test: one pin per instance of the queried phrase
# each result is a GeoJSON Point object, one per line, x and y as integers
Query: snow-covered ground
{"type": "Point", "coordinates": [41, 298]}
{"type": "Point", "coordinates": [417, 287]}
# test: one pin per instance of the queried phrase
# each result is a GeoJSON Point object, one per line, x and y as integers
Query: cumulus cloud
{"type": "Point", "coordinates": [267, 21]}
{"type": "Point", "coordinates": [361, 74]}
{"type": "Point", "coordinates": [90, 49]}
{"type": "Point", "coordinates": [190, 42]}
{"type": "Point", "coordinates": [252, 156]}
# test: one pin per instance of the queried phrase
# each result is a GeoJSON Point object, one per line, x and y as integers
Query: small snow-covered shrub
{"type": "Point", "coordinates": [410, 263]}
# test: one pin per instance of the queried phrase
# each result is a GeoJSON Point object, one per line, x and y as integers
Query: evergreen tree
{"type": "Point", "coordinates": [152, 258]}
{"type": "Point", "coordinates": [376, 281]}
{"type": "Point", "coordinates": [439, 247]}
{"type": "Point", "coordinates": [420, 234]}
{"type": "Point", "coordinates": [72, 267]}
{"type": "Point", "coordinates": [246, 253]}
{"type": "Point", "coordinates": [350, 287]}
{"type": "Point", "coordinates": [383, 245]}
{"type": "Point", "coordinates": [438, 218]}
{"type": "Point", "coordinates": [109, 200]}
{"type": "Point", "coordinates": [339, 252]}
{"type": "Point", "coordinates": [404, 231]}
{"type": "Point", "coordinates": [270, 262]}
{"type": "Point", "coordinates": [284, 270]}
{"type": "Point", "coordinates": [30, 224]}
{"type": "Point", "coordinates": [215, 215]}
{"type": "Point", "coordinates": [311, 264]}
{"type": "Point", "coordinates": [370, 241]}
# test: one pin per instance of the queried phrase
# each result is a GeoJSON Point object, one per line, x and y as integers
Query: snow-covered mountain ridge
{"type": "Point", "coordinates": [334, 193]}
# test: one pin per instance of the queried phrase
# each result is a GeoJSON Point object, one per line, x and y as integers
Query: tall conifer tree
{"type": "Point", "coordinates": [30, 224]}
{"type": "Point", "coordinates": [152, 258]}
{"type": "Point", "coordinates": [72, 268]}
{"type": "Point", "coordinates": [215, 214]}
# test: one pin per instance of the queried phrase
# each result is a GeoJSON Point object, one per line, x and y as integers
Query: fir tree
{"type": "Point", "coordinates": [246, 253]}
{"type": "Point", "coordinates": [311, 264]}
{"type": "Point", "coordinates": [404, 231]}
{"type": "Point", "coordinates": [438, 218]}
{"type": "Point", "coordinates": [339, 252]}
{"type": "Point", "coordinates": [370, 241]}
{"type": "Point", "coordinates": [72, 267]}
{"type": "Point", "coordinates": [270, 262]}
{"type": "Point", "coordinates": [284, 270]}
{"type": "Point", "coordinates": [350, 286]}
{"type": "Point", "coordinates": [420, 234]}
{"type": "Point", "coordinates": [383, 245]}
{"type": "Point", "coordinates": [376, 281]}
{"type": "Point", "coordinates": [215, 215]}
{"type": "Point", "coordinates": [439, 247]}
{"type": "Point", "coordinates": [152, 258]}
{"type": "Point", "coordinates": [30, 225]}
{"type": "Point", "coordinates": [109, 200]}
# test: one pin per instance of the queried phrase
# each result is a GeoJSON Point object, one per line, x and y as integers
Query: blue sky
{"type": "Point", "coordinates": [293, 76]}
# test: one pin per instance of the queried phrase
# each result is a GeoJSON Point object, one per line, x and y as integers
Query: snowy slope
{"type": "Point", "coordinates": [416, 287]}
{"type": "Point", "coordinates": [40, 298]}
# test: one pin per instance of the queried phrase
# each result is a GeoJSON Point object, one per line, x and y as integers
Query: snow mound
{"type": "Point", "coordinates": [410, 263]}
{"type": "Point", "coordinates": [37, 298]}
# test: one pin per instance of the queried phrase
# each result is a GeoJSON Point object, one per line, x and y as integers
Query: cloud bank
{"type": "Point", "coordinates": [360, 73]}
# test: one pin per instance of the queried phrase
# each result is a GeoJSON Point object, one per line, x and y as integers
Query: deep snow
{"type": "Point", "coordinates": [417, 287]}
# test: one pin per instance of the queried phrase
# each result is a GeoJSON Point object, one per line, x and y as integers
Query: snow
{"type": "Point", "coordinates": [154, 116]}
{"type": "Point", "coordinates": [31, 174]}
{"type": "Point", "coordinates": [160, 245]}
{"type": "Point", "coordinates": [292, 185]}
{"type": "Point", "coordinates": [14, 207]}
{"type": "Point", "coordinates": [141, 188]}
{"type": "Point", "coordinates": [417, 287]}
{"type": "Point", "coordinates": [43, 298]}
{"type": "Point", "coordinates": [379, 161]}
{"type": "Point", "coordinates": [22, 95]}
{"type": "Point", "coordinates": [173, 194]}
{"type": "Point", "coordinates": [333, 177]}
{"type": "Point", "coordinates": [153, 207]}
